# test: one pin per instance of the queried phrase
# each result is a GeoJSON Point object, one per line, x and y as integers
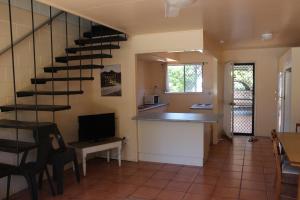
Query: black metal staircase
{"type": "Point", "coordinates": [100, 38]}
{"type": "Point", "coordinates": [93, 48]}
{"type": "Point", "coordinates": [45, 80]}
{"type": "Point", "coordinates": [55, 69]}
{"type": "Point", "coordinates": [93, 40]}
{"type": "Point", "coordinates": [65, 59]}
{"type": "Point", "coordinates": [47, 93]}
{"type": "Point", "coordinates": [104, 39]}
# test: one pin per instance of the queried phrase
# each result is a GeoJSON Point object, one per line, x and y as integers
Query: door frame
{"type": "Point", "coordinates": [254, 98]}
{"type": "Point", "coordinates": [228, 99]}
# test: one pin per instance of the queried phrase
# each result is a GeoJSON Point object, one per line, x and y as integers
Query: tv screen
{"type": "Point", "coordinates": [96, 127]}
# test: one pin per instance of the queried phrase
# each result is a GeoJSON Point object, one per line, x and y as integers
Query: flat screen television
{"type": "Point", "coordinates": [96, 127]}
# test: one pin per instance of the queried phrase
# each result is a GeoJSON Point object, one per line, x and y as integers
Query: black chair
{"type": "Point", "coordinates": [30, 169]}
{"type": "Point", "coordinates": [58, 158]}
{"type": "Point", "coordinates": [6, 171]}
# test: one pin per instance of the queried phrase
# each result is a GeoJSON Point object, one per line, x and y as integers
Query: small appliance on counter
{"type": "Point", "coordinates": [151, 99]}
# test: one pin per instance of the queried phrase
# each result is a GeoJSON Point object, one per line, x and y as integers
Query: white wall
{"type": "Point", "coordinates": [266, 70]}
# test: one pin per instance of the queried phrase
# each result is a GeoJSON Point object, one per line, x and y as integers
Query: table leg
{"type": "Point", "coordinates": [298, 195]}
{"type": "Point", "coordinates": [108, 155]}
{"type": "Point", "coordinates": [119, 155]}
{"type": "Point", "coordinates": [84, 163]}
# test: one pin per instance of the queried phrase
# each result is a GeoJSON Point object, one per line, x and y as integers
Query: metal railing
{"type": "Point", "coordinates": [30, 33]}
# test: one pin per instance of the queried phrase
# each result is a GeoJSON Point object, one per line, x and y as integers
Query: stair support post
{"type": "Point", "coordinates": [13, 75]}
{"type": "Point", "coordinates": [34, 61]}
{"type": "Point", "coordinates": [67, 45]}
{"type": "Point", "coordinates": [80, 53]}
{"type": "Point", "coordinates": [52, 62]}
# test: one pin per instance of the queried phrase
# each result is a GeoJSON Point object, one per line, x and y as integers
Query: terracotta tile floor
{"type": "Point", "coordinates": [238, 170]}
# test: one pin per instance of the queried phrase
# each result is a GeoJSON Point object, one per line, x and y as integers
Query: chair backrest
{"type": "Point", "coordinates": [43, 139]}
{"type": "Point", "coordinates": [273, 134]}
{"type": "Point", "coordinates": [60, 139]}
{"type": "Point", "coordinates": [275, 143]}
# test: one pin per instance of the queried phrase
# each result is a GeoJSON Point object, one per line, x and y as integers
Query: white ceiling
{"type": "Point", "coordinates": [238, 22]}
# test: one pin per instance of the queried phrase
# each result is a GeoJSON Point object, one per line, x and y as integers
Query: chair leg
{"type": "Point", "coordinates": [298, 194]}
{"type": "Point", "coordinates": [54, 173]}
{"type": "Point", "coordinates": [50, 182]}
{"type": "Point", "coordinates": [59, 172]}
{"type": "Point", "coordinates": [32, 185]}
{"type": "Point", "coordinates": [278, 189]}
{"type": "Point", "coordinates": [77, 172]}
{"type": "Point", "coordinates": [41, 176]}
{"type": "Point", "coordinates": [275, 181]}
{"type": "Point", "coordinates": [8, 187]}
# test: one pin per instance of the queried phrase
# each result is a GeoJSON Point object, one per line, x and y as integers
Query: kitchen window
{"type": "Point", "coordinates": [184, 78]}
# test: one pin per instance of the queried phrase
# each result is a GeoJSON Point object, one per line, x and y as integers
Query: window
{"type": "Point", "coordinates": [183, 78]}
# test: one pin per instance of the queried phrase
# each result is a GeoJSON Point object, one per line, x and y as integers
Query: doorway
{"type": "Point", "coordinates": [243, 87]}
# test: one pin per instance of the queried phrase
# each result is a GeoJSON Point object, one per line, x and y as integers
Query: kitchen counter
{"type": "Point", "coordinates": [202, 106]}
{"type": "Point", "coordinates": [178, 117]}
{"type": "Point", "coordinates": [149, 107]}
{"type": "Point", "coordinates": [177, 138]}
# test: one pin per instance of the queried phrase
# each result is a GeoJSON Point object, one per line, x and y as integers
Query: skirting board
{"type": "Point", "coordinates": [180, 160]}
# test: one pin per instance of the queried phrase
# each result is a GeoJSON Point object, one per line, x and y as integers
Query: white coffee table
{"type": "Point", "coordinates": [86, 148]}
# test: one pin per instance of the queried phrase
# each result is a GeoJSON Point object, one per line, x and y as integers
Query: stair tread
{"type": "Point", "coordinates": [13, 146]}
{"type": "Point", "coordinates": [31, 93]}
{"type": "Point", "coordinates": [64, 59]}
{"type": "Point", "coordinates": [101, 30]}
{"type": "Point", "coordinates": [91, 48]}
{"type": "Point", "coordinates": [115, 38]}
{"type": "Point", "coordinates": [30, 107]}
{"type": "Point", "coordinates": [6, 169]}
{"type": "Point", "coordinates": [55, 69]}
{"type": "Point", "coordinates": [45, 80]}
{"type": "Point", "coordinates": [7, 123]}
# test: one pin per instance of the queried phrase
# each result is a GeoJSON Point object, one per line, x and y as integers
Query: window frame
{"type": "Point", "coordinates": [184, 64]}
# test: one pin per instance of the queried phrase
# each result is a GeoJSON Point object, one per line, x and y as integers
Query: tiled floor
{"type": "Point", "coordinates": [238, 170]}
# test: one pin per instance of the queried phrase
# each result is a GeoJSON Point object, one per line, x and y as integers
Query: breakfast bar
{"type": "Point", "coordinates": [178, 138]}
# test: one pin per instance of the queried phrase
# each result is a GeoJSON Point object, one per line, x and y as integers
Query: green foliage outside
{"type": "Point", "coordinates": [192, 82]}
{"type": "Point", "coordinates": [175, 78]}
{"type": "Point", "coordinates": [243, 76]}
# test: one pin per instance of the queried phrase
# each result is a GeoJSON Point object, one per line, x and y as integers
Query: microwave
{"type": "Point", "coordinates": [151, 99]}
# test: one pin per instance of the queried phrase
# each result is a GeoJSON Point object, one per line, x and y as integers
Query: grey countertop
{"type": "Point", "coordinates": [178, 117]}
{"type": "Point", "coordinates": [202, 106]}
{"type": "Point", "coordinates": [149, 107]}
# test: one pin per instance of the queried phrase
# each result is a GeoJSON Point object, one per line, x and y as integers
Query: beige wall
{"type": "Point", "coordinates": [149, 75]}
{"type": "Point", "coordinates": [266, 70]}
{"type": "Point", "coordinates": [285, 61]}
